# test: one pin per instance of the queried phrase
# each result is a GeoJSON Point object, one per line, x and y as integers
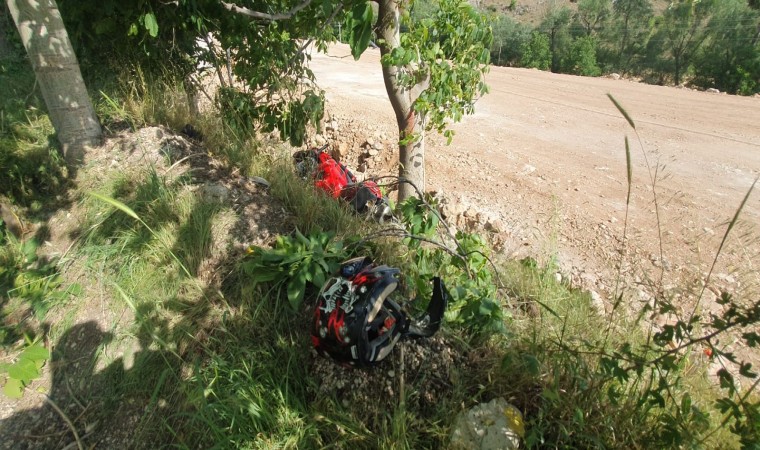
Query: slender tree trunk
{"type": "Point", "coordinates": [678, 70]}
{"type": "Point", "coordinates": [44, 36]}
{"type": "Point", "coordinates": [411, 154]}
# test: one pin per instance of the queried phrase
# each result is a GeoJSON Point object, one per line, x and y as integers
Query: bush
{"type": "Point", "coordinates": [582, 57]}
{"type": "Point", "coordinates": [536, 53]}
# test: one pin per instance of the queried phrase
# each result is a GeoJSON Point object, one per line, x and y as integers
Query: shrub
{"type": "Point", "coordinates": [582, 57]}
{"type": "Point", "coordinates": [536, 53]}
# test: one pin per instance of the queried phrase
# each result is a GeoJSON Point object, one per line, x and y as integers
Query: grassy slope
{"type": "Point", "coordinates": [189, 355]}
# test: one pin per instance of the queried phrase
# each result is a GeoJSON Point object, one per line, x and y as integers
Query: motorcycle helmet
{"type": "Point", "coordinates": [357, 323]}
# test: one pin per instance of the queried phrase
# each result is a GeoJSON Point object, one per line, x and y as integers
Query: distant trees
{"type": "Point", "coordinates": [729, 58]}
{"type": "Point", "coordinates": [680, 32]}
{"type": "Point", "coordinates": [709, 43]}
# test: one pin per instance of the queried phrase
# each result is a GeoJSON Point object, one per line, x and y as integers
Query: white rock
{"type": "Point", "coordinates": [598, 303]}
{"type": "Point", "coordinates": [489, 426]}
{"type": "Point", "coordinates": [527, 169]}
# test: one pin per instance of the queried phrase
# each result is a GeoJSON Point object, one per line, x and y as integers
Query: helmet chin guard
{"type": "Point", "coordinates": [357, 323]}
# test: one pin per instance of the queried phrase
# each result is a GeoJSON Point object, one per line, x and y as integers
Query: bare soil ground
{"type": "Point", "coordinates": [543, 159]}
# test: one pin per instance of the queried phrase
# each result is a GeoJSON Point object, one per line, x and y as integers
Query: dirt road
{"type": "Point", "coordinates": [544, 156]}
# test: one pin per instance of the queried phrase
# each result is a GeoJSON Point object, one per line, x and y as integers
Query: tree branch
{"type": "Point", "coordinates": [264, 16]}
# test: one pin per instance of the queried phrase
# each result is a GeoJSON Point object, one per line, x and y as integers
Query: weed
{"type": "Point", "coordinates": [294, 262]}
{"type": "Point", "coordinates": [28, 286]}
{"type": "Point", "coordinates": [26, 368]}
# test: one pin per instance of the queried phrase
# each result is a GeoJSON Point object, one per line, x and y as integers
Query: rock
{"type": "Point", "coordinates": [598, 303]}
{"type": "Point", "coordinates": [372, 152]}
{"type": "Point", "coordinates": [260, 181]}
{"type": "Point", "coordinates": [497, 226]}
{"type": "Point", "coordinates": [589, 279]}
{"type": "Point", "coordinates": [215, 192]}
{"type": "Point", "coordinates": [713, 91]}
{"type": "Point", "coordinates": [527, 169]}
{"type": "Point", "coordinates": [489, 426]}
{"type": "Point", "coordinates": [320, 140]}
{"type": "Point", "coordinates": [451, 209]}
{"type": "Point", "coordinates": [614, 76]}
{"type": "Point", "coordinates": [340, 151]}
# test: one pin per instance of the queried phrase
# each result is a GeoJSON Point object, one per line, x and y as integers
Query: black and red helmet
{"type": "Point", "coordinates": [357, 323]}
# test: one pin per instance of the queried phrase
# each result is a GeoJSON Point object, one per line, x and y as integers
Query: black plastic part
{"type": "Point", "coordinates": [428, 323]}
{"type": "Point", "coordinates": [353, 266]}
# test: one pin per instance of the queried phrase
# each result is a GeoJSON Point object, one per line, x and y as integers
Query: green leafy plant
{"type": "Point", "coordinates": [465, 269]}
{"type": "Point", "coordinates": [29, 284]}
{"type": "Point", "coordinates": [295, 262]}
{"type": "Point", "coordinates": [25, 369]}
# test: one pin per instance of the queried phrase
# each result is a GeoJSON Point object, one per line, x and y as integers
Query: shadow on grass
{"type": "Point", "coordinates": [162, 395]}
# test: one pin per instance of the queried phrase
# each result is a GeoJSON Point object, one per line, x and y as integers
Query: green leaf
{"type": "Point", "coordinates": [24, 370]}
{"type": "Point", "coordinates": [74, 289]}
{"type": "Point", "coordinates": [579, 419]}
{"type": "Point", "coordinates": [296, 289]}
{"type": "Point", "coordinates": [13, 388]}
{"type": "Point", "coordinates": [116, 204]}
{"type": "Point", "coordinates": [150, 24]}
{"type": "Point", "coordinates": [35, 352]}
{"type": "Point", "coordinates": [125, 297]}
{"type": "Point", "coordinates": [531, 364]}
{"type": "Point", "coordinates": [319, 277]}
{"type": "Point", "coordinates": [361, 29]}
{"type": "Point", "coordinates": [301, 238]}
{"type": "Point", "coordinates": [686, 403]}
{"type": "Point", "coordinates": [132, 30]}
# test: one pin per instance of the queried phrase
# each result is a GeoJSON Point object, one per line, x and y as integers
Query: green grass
{"type": "Point", "coordinates": [33, 171]}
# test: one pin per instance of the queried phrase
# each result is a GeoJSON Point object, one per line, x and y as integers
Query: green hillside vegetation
{"type": "Point", "coordinates": [160, 296]}
{"type": "Point", "coordinates": [705, 44]}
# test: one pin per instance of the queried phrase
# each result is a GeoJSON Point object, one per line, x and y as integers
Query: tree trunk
{"type": "Point", "coordinates": [411, 154]}
{"type": "Point", "coordinates": [44, 36]}
{"type": "Point", "coordinates": [678, 70]}
{"type": "Point", "coordinates": [412, 159]}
